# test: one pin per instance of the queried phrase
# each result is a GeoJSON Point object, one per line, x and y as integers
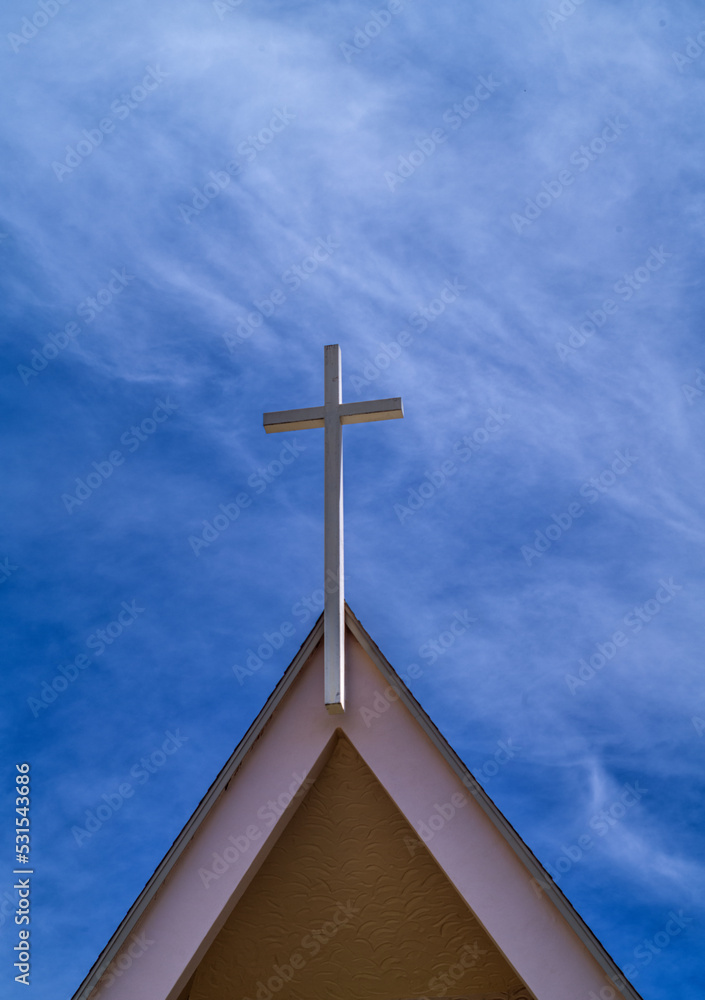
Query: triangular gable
{"type": "Point", "coordinates": [158, 950]}
{"type": "Point", "coordinates": [349, 903]}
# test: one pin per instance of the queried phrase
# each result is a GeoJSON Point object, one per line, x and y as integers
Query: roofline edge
{"type": "Point", "coordinates": [493, 813]}
{"type": "Point", "coordinates": [188, 832]}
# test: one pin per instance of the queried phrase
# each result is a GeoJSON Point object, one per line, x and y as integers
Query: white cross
{"type": "Point", "coordinates": [331, 416]}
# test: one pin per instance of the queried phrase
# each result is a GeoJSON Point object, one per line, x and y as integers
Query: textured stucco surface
{"type": "Point", "coordinates": [342, 910]}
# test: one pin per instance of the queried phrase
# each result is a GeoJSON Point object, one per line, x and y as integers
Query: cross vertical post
{"type": "Point", "coordinates": [331, 417]}
{"type": "Point", "coordinates": [333, 609]}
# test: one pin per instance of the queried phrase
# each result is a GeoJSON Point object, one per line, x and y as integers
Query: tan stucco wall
{"type": "Point", "coordinates": [343, 910]}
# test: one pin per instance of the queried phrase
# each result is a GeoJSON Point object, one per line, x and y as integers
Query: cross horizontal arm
{"type": "Point", "coordinates": [350, 413]}
{"type": "Point", "coordinates": [375, 409]}
{"type": "Point", "coordinates": [294, 420]}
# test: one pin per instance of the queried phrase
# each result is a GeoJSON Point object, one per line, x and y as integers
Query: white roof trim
{"type": "Point", "coordinates": [132, 917]}
{"type": "Point", "coordinates": [497, 818]}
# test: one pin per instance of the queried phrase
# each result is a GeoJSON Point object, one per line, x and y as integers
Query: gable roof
{"type": "Point", "coordinates": [350, 902]}
{"type": "Point", "coordinates": [156, 950]}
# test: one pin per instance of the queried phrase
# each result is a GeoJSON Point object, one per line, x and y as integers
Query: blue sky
{"type": "Point", "coordinates": [497, 211]}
